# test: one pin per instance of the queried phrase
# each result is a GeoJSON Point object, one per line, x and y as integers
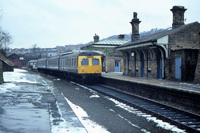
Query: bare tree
{"type": "Point", "coordinates": [34, 47]}
{"type": "Point", "coordinates": [5, 39]}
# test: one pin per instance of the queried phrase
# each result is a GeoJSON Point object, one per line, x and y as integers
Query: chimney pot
{"type": "Point", "coordinates": [135, 27]}
{"type": "Point", "coordinates": [178, 16]}
{"type": "Point", "coordinates": [121, 36]}
{"type": "Point", "coordinates": [96, 38]}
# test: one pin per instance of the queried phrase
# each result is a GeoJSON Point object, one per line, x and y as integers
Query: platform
{"type": "Point", "coordinates": [157, 82]}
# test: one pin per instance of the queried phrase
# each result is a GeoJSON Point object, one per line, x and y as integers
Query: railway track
{"type": "Point", "coordinates": [182, 119]}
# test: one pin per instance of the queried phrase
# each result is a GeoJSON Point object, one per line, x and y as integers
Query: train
{"type": "Point", "coordinates": [84, 67]}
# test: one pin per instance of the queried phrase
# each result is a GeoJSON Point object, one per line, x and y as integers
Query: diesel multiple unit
{"type": "Point", "coordinates": [83, 66]}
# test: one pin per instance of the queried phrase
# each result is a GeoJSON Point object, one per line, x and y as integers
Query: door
{"type": "Point", "coordinates": [117, 65]}
{"type": "Point", "coordinates": [159, 67]}
{"type": "Point", "coordinates": [178, 68]}
{"type": "Point", "coordinates": [142, 65]}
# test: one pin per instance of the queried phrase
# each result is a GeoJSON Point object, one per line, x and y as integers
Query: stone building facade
{"type": "Point", "coordinates": [5, 65]}
{"type": "Point", "coordinates": [1, 71]}
{"type": "Point", "coordinates": [197, 72]}
{"type": "Point", "coordinates": [112, 60]}
{"type": "Point", "coordinates": [168, 54]}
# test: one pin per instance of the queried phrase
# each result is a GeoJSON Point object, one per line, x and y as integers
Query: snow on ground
{"type": "Point", "coordinates": [58, 122]}
{"type": "Point", "coordinates": [90, 126]}
{"type": "Point", "coordinates": [94, 96]}
{"type": "Point", "coordinates": [25, 118]}
{"type": "Point", "coordinates": [160, 123]}
{"type": "Point", "coordinates": [60, 126]}
{"type": "Point", "coordinates": [19, 114]}
{"type": "Point", "coordinates": [6, 87]}
{"type": "Point", "coordinates": [17, 76]}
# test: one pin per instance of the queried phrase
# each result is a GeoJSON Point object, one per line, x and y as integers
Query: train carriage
{"type": "Point", "coordinates": [53, 63]}
{"type": "Point", "coordinates": [42, 64]}
{"type": "Point", "coordinates": [83, 66]}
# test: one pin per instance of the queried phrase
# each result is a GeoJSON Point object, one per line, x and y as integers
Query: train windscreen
{"type": "Point", "coordinates": [84, 62]}
{"type": "Point", "coordinates": [95, 61]}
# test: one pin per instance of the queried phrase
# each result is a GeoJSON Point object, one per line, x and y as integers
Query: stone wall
{"type": "Point", "coordinates": [111, 57]}
{"type": "Point", "coordinates": [1, 72]}
{"type": "Point", "coordinates": [197, 73]}
{"type": "Point", "coordinates": [184, 44]}
{"type": "Point", "coordinates": [180, 97]}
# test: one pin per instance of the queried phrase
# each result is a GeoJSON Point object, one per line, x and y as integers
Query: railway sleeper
{"type": "Point", "coordinates": [185, 120]}
{"type": "Point", "coordinates": [193, 123]}
{"type": "Point", "coordinates": [154, 112]}
{"type": "Point", "coordinates": [195, 126]}
{"type": "Point", "coordinates": [178, 117]}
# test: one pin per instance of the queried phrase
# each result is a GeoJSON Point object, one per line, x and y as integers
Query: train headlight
{"type": "Point", "coordinates": [97, 70]}
{"type": "Point", "coordinates": [82, 70]}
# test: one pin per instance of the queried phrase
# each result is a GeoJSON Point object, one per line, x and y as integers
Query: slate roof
{"type": "Point", "coordinates": [117, 42]}
{"type": "Point", "coordinates": [157, 35]}
{"type": "Point", "coordinates": [5, 60]}
{"type": "Point", "coordinates": [33, 61]}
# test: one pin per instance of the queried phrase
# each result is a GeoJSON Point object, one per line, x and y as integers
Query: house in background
{"type": "Point", "coordinates": [168, 54]}
{"type": "Point", "coordinates": [16, 59]}
{"type": "Point", "coordinates": [112, 60]}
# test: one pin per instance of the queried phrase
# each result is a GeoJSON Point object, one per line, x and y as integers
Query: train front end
{"type": "Point", "coordinates": [90, 66]}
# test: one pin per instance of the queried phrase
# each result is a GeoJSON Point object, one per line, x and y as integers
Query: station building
{"type": "Point", "coordinates": [112, 60]}
{"type": "Point", "coordinates": [168, 54]}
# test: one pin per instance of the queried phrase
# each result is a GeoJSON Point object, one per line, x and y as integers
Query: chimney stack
{"type": "Point", "coordinates": [96, 38]}
{"type": "Point", "coordinates": [121, 36]}
{"type": "Point", "coordinates": [178, 16]}
{"type": "Point", "coordinates": [135, 27]}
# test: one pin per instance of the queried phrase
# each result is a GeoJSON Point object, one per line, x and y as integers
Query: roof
{"type": "Point", "coordinates": [32, 61]}
{"type": "Point", "coordinates": [13, 56]}
{"type": "Point", "coordinates": [86, 53]}
{"type": "Point", "coordinates": [5, 60]}
{"type": "Point", "coordinates": [111, 42]}
{"type": "Point", "coordinates": [153, 37]}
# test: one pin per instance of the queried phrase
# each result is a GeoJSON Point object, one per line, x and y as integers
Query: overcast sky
{"type": "Point", "coordinates": [50, 23]}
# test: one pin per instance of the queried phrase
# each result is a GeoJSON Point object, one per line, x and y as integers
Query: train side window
{"type": "Point", "coordinates": [84, 62]}
{"type": "Point", "coordinates": [70, 62]}
{"type": "Point", "coordinates": [65, 62]}
{"type": "Point", "coordinates": [74, 62]}
{"type": "Point", "coordinates": [95, 61]}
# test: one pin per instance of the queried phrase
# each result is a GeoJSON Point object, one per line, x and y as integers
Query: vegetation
{"type": "Point", "coordinates": [128, 36]}
{"type": "Point", "coordinates": [5, 41]}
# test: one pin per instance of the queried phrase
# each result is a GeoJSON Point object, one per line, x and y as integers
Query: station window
{"type": "Point", "coordinates": [149, 62]}
{"type": "Point", "coordinates": [95, 61]}
{"type": "Point", "coordinates": [85, 62]}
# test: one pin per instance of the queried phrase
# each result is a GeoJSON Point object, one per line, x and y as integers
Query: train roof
{"type": "Point", "coordinates": [90, 53]}
{"type": "Point", "coordinates": [86, 53]}
{"type": "Point", "coordinates": [41, 59]}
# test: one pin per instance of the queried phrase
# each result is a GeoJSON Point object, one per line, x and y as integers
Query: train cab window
{"type": "Point", "coordinates": [95, 61]}
{"type": "Point", "coordinates": [84, 62]}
